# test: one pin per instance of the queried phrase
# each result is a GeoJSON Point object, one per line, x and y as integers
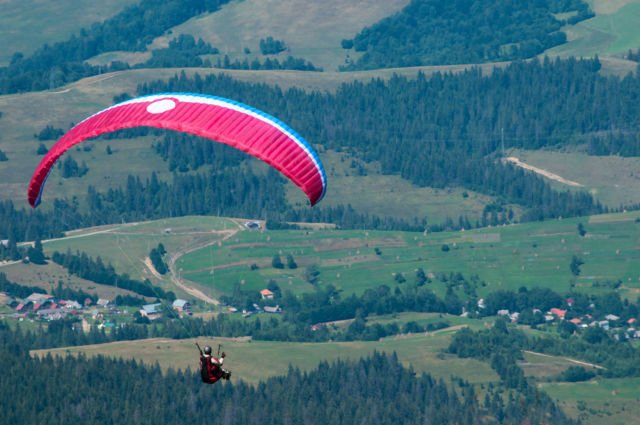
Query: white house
{"type": "Point", "coordinates": [151, 311]}
{"type": "Point", "coordinates": [276, 309]}
{"type": "Point", "coordinates": [72, 305]}
{"type": "Point", "coordinates": [38, 298]}
{"type": "Point", "coordinates": [181, 305]}
{"type": "Point", "coordinates": [103, 302]}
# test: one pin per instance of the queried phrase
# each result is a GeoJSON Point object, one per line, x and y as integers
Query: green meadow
{"type": "Point", "coordinates": [506, 257]}
{"type": "Point", "coordinates": [48, 276]}
{"type": "Point", "coordinates": [127, 245]}
{"type": "Point", "coordinates": [612, 32]}
{"type": "Point", "coordinates": [215, 254]}
{"type": "Point", "coordinates": [27, 25]}
{"type": "Point", "coordinates": [595, 174]}
{"type": "Point", "coordinates": [599, 401]}
{"type": "Point", "coordinates": [253, 361]}
{"type": "Point", "coordinates": [310, 30]}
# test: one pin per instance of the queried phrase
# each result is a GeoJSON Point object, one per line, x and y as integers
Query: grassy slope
{"type": "Point", "coordinates": [613, 180]}
{"type": "Point", "coordinates": [66, 105]}
{"type": "Point", "coordinates": [25, 25]}
{"type": "Point", "coordinates": [126, 246]}
{"type": "Point", "coordinates": [608, 401]}
{"type": "Point", "coordinates": [506, 257]}
{"type": "Point", "coordinates": [48, 276]}
{"type": "Point", "coordinates": [612, 32]}
{"type": "Point", "coordinates": [231, 28]}
{"type": "Point", "coordinates": [256, 360]}
{"type": "Point", "coordinates": [311, 30]}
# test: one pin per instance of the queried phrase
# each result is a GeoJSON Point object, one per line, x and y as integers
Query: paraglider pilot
{"type": "Point", "coordinates": [211, 367]}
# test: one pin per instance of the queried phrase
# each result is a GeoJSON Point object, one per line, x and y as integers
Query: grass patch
{"type": "Point", "coordinates": [611, 179]}
{"type": "Point", "coordinates": [613, 31]}
{"type": "Point", "coordinates": [379, 194]}
{"type": "Point", "coordinates": [48, 276]}
{"type": "Point", "coordinates": [533, 254]}
{"type": "Point", "coordinates": [542, 366]}
{"type": "Point", "coordinates": [311, 30]}
{"type": "Point", "coordinates": [599, 401]}
{"type": "Point", "coordinates": [253, 361]}
{"type": "Point", "coordinates": [26, 26]}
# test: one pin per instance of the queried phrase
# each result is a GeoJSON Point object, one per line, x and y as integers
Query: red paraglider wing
{"type": "Point", "coordinates": [222, 120]}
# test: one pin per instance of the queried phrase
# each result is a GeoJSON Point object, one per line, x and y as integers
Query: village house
{"type": "Point", "coordinates": [266, 294]}
{"type": "Point", "coordinates": [182, 306]}
{"type": "Point", "coordinates": [51, 314]}
{"type": "Point", "coordinates": [151, 311]}
{"type": "Point", "coordinates": [103, 302]}
{"type": "Point", "coordinates": [276, 309]}
{"type": "Point", "coordinates": [71, 305]}
{"type": "Point", "coordinates": [38, 298]}
{"type": "Point", "coordinates": [558, 312]}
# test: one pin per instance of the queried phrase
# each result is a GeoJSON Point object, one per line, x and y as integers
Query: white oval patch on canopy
{"type": "Point", "coordinates": [161, 106]}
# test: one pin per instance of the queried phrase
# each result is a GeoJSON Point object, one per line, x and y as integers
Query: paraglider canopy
{"type": "Point", "coordinates": [221, 120]}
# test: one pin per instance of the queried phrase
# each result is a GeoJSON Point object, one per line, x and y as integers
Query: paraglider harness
{"type": "Point", "coordinates": [211, 372]}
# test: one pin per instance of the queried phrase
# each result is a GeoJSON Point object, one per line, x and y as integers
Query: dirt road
{"type": "Point", "coordinates": [175, 274]}
{"type": "Point", "coordinates": [579, 362]}
{"type": "Point", "coordinates": [542, 172]}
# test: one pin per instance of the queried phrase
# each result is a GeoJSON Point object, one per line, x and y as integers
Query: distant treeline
{"type": "Point", "coordinates": [433, 32]}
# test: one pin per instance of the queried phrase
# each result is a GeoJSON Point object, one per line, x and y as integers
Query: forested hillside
{"type": "Point", "coordinates": [442, 131]}
{"type": "Point", "coordinates": [376, 390]}
{"type": "Point", "coordinates": [130, 30]}
{"type": "Point", "coordinates": [432, 32]}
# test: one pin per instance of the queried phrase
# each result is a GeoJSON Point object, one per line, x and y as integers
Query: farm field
{"type": "Point", "coordinates": [508, 257]}
{"type": "Point", "coordinates": [216, 254]}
